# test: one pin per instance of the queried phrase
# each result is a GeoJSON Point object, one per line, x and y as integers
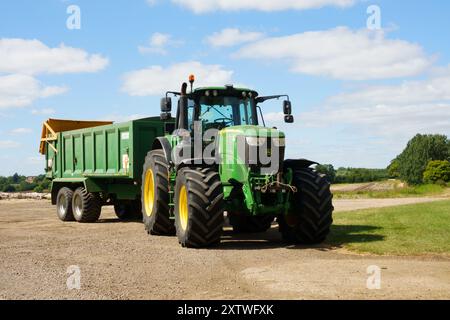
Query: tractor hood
{"type": "Point", "coordinates": [251, 131]}
{"type": "Point", "coordinates": [246, 150]}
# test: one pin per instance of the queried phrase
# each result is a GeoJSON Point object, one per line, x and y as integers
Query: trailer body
{"type": "Point", "coordinates": [106, 158]}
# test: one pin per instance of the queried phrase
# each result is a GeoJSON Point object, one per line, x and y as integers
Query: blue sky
{"type": "Point", "coordinates": [358, 94]}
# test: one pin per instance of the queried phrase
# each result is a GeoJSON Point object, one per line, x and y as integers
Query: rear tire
{"type": "Point", "coordinates": [86, 206]}
{"type": "Point", "coordinates": [250, 224]}
{"type": "Point", "coordinates": [310, 218]}
{"type": "Point", "coordinates": [155, 195]}
{"type": "Point", "coordinates": [199, 207]}
{"type": "Point", "coordinates": [128, 210]}
{"type": "Point", "coordinates": [64, 205]}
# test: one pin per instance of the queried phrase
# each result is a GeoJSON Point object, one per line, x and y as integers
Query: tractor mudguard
{"type": "Point", "coordinates": [299, 163]}
{"type": "Point", "coordinates": [164, 144]}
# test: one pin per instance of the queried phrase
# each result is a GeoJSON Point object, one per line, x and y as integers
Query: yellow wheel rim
{"type": "Point", "coordinates": [149, 192]}
{"type": "Point", "coordinates": [183, 208]}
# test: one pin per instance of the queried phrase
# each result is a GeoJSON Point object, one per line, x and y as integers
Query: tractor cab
{"type": "Point", "coordinates": [222, 107]}
{"type": "Point", "coordinates": [219, 107]}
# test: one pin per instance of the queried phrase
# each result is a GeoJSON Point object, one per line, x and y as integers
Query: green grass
{"type": "Point", "coordinates": [404, 192]}
{"type": "Point", "coordinates": [417, 229]}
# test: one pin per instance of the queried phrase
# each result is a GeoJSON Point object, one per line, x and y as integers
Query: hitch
{"type": "Point", "coordinates": [277, 185]}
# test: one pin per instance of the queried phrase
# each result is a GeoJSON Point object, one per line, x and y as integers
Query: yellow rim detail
{"type": "Point", "coordinates": [183, 208]}
{"type": "Point", "coordinates": [149, 192]}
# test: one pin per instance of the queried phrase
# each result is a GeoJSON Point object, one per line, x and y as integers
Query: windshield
{"type": "Point", "coordinates": [222, 112]}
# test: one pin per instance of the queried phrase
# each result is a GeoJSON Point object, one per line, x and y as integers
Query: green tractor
{"type": "Point", "coordinates": [192, 177]}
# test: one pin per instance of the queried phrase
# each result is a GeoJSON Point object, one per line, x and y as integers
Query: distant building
{"type": "Point", "coordinates": [30, 179]}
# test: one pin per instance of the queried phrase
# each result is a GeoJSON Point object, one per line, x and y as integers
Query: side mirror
{"type": "Point", "coordinates": [289, 118]}
{"type": "Point", "coordinates": [166, 105]}
{"type": "Point", "coordinates": [287, 107]}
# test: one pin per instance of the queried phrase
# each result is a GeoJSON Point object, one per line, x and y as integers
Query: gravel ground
{"type": "Point", "coordinates": [119, 261]}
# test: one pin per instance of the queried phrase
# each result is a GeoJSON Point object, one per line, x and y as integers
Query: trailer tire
{"type": "Point", "coordinates": [310, 219]}
{"type": "Point", "coordinates": [199, 207]}
{"type": "Point", "coordinates": [155, 196]}
{"type": "Point", "coordinates": [64, 205]}
{"type": "Point", "coordinates": [128, 210]}
{"type": "Point", "coordinates": [250, 224]}
{"type": "Point", "coordinates": [86, 206]}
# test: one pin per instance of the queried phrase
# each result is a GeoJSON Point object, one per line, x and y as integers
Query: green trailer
{"type": "Point", "coordinates": [101, 159]}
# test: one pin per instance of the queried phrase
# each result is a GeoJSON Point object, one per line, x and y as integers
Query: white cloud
{"type": "Point", "coordinates": [398, 111]}
{"type": "Point", "coordinates": [45, 111]}
{"type": "Point", "coordinates": [342, 53]}
{"type": "Point", "coordinates": [33, 57]}
{"type": "Point", "coordinates": [274, 117]}
{"type": "Point", "coordinates": [21, 60]}
{"type": "Point", "coordinates": [8, 144]}
{"type": "Point", "coordinates": [158, 43]}
{"type": "Point", "coordinates": [21, 90]}
{"type": "Point", "coordinates": [232, 36]}
{"type": "Point", "coordinates": [156, 80]}
{"type": "Point", "coordinates": [18, 131]}
{"type": "Point", "coordinates": [203, 6]}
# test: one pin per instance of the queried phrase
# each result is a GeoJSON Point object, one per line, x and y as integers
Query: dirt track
{"type": "Point", "coordinates": [119, 261]}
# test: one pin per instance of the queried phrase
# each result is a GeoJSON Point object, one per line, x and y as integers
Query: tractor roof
{"type": "Point", "coordinates": [229, 88]}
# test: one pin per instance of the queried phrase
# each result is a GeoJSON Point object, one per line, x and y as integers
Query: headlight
{"type": "Point", "coordinates": [279, 142]}
{"type": "Point", "coordinates": [255, 141]}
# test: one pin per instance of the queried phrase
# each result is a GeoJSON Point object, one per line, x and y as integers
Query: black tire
{"type": "Point", "coordinates": [250, 224]}
{"type": "Point", "coordinates": [128, 210]}
{"type": "Point", "coordinates": [64, 205]}
{"type": "Point", "coordinates": [86, 206]}
{"type": "Point", "coordinates": [310, 218]}
{"type": "Point", "coordinates": [203, 220]}
{"type": "Point", "coordinates": [156, 215]}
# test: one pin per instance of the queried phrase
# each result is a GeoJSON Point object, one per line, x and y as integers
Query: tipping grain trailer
{"type": "Point", "coordinates": [92, 164]}
{"type": "Point", "coordinates": [216, 159]}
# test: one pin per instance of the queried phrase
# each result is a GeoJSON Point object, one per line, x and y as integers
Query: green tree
{"type": "Point", "coordinates": [394, 169]}
{"type": "Point", "coordinates": [25, 186]}
{"type": "Point", "coordinates": [437, 171]}
{"type": "Point", "coordinates": [418, 153]}
{"type": "Point", "coordinates": [9, 188]}
{"type": "Point", "coordinates": [39, 189]}
{"type": "Point", "coordinates": [15, 178]}
{"type": "Point", "coordinates": [328, 170]}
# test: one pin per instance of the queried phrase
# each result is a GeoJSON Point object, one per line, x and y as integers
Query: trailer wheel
{"type": "Point", "coordinates": [310, 218]}
{"type": "Point", "coordinates": [64, 204]}
{"type": "Point", "coordinates": [86, 206]}
{"type": "Point", "coordinates": [250, 224]}
{"type": "Point", "coordinates": [155, 195]}
{"type": "Point", "coordinates": [128, 210]}
{"type": "Point", "coordinates": [199, 207]}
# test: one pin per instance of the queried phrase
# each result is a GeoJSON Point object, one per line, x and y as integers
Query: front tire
{"type": "Point", "coordinates": [310, 218]}
{"type": "Point", "coordinates": [64, 205]}
{"type": "Point", "coordinates": [199, 207]}
{"type": "Point", "coordinates": [86, 206]}
{"type": "Point", "coordinates": [155, 195]}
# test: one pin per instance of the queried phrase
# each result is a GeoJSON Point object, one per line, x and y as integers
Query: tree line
{"type": "Point", "coordinates": [352, 175]}
{"type": "Point", "coordinates": [19, 183]}
{"type": "Point", "coordinates": [426, 159]}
